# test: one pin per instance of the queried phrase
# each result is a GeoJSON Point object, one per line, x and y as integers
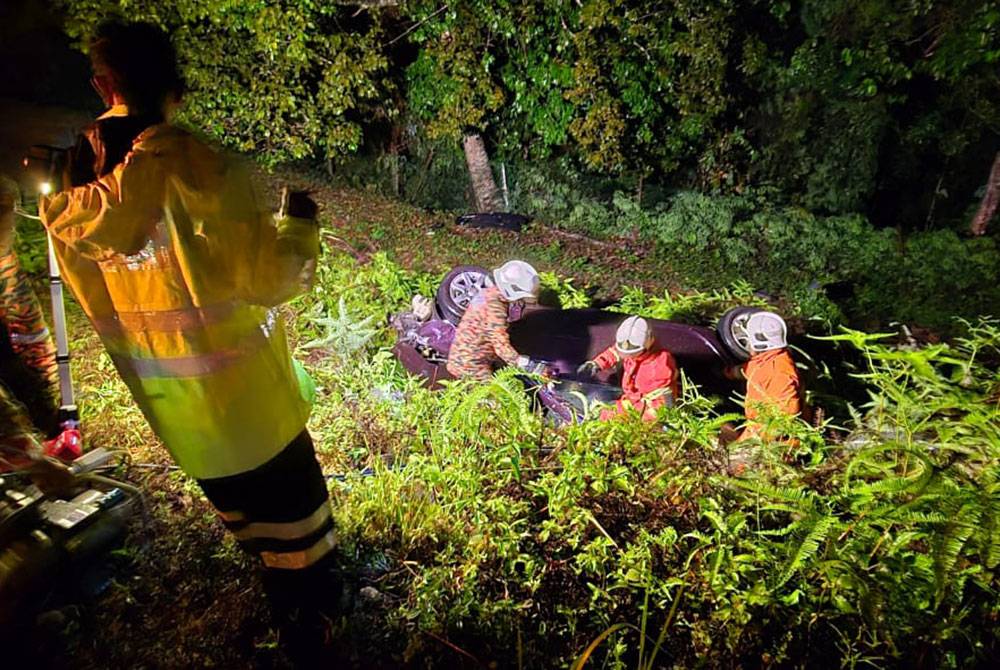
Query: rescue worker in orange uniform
{"type": "Point", "coordinates": [771, 376]}
{"type": "Point", "coordinates": [179, 265]}
{"type": "Point", "coordinates": [28, 374]}
{"type": "Point", "coordinates": [481, 339]}
{"type": "Point", "coordinates": [649, 372]}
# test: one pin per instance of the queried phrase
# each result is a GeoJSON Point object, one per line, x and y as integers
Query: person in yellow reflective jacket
{"type": "Point", "coordinates": [178, 264]}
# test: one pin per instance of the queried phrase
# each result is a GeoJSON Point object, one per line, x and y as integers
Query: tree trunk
{"type": "Point", "coordinates": [988, 207]}
{"type": "Point", "coordinates": [483, 185]}
{"type": "Point", "coordinates": [395, 147]}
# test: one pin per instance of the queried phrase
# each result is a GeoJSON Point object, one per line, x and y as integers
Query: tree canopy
{"type": "Point", "coordinates": [882, 106]}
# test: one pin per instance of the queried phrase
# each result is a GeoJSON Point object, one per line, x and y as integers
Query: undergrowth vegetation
{"type": "Point", "coordinates": [877, 275]}
{"type": "Point", "coordinates": [872, 540]}
{"type": "Point", "coordinates": [628, 545]}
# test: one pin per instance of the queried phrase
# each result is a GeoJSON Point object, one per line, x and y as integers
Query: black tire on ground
{"type": "Point", "coordinates": [737, 346]}
{"type": "Point", "coordinates": [501, 220]}
{"type": "Point", "coordinates": [457, 289]}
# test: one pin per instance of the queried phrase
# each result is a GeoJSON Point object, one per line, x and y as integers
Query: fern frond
{"type": "Point", "coordinates": [808, 547]}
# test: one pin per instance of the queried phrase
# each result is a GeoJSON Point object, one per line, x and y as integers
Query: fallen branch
{"type": "Point", "coordinates": [344, 245]}
{"type": "Point", "coordinates": [565, 234]}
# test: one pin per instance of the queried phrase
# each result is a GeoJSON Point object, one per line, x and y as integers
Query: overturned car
{"type": "Point", "coordinates": [562, 339]}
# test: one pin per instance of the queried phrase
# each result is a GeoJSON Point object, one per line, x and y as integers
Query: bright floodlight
{"type": "Point", "coordinates": [45, 188]}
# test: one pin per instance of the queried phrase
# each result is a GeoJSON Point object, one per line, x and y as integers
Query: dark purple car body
{"type": "Point", "coordinates": [562, 339]}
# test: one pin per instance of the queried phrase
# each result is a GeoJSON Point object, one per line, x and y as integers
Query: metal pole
{"type": "Point", "coordinates": [506, 193]}
{"type": "Point", "coordinates": [67, 398]}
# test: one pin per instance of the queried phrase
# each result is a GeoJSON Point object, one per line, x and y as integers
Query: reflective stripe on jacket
{"type": "Point", "coordinates": [178, 264]}
{"type": "Point", "coordinates": [773, 382]}
{"type": "Point", "coordinates": [648, 380]}
{"type": "Point", "coordinates": [482, 338]}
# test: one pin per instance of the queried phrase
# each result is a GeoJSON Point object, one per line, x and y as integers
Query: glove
{"type": "Point", "coordinates": [533, 366]}
{"type": "Point", "coordinates": [588, 367]}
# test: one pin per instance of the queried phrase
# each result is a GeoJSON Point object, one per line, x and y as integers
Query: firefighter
{"type": "Point", "coordinates": [771, 377]}
{"type": "Point", "coordinates": [27, 354]}
{"type": "Point", "coordinates": [482, 340]}
{"type": "Point", "coordinates": [649, 372]}
{"type": "Point", "coordinates": [179, 266]}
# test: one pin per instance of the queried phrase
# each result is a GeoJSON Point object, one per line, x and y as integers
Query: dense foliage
{"type": "Point", "coordinates": [927, 277]}
{"type": "Point", "coordinates": [842, 105]}
{"type": "Point", "coordinates": [522, 544]}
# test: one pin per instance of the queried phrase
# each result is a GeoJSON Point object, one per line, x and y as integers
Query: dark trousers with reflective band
{"type": "Point", "coordinates": [281, 512]}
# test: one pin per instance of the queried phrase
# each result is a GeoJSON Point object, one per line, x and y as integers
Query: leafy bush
{"type": "Point", "coordinates": [934, 275]}
{"type": "Point", "coordinates": [282, 80]}
{"type": "Point", "coordinates": [839, 104]}
{"type": "Point", "coordinates": [695, 307]}
{"type": "Point", "coordinates": [929, 278]}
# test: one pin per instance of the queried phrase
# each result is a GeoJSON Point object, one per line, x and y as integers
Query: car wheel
{"type": "Point", "coordinates": [457, 290]}
{"type": "Point", "coordinates": [732, 331]}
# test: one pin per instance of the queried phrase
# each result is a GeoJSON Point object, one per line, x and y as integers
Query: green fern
{"type": "Point", "coordinates": [808, 547]}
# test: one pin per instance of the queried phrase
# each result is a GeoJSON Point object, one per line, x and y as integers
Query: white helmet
{"type": "Point", "coordinates": [517, 281]}
{"type": "Point", "coordinates": [766, 331]}
{"type": "Point", "coordinates": [633, 336]}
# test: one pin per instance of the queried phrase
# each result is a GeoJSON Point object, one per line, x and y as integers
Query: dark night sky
{"type": "Point", "coordinates": [45, 92]}
{"type": "Point", "coordinates": [37, 62]}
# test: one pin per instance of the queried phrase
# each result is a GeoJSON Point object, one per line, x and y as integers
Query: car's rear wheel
{"type": "Point", "coordinates": [457, 290]}
{"type": "Point", "coordinates": [732, 331]}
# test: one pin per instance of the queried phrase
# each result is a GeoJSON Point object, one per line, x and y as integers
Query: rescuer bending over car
{"type": "Point", "coordinates": [178, 264]}
{"type": "Point", "coordinates": [482, 340]}
{"type": "Point", "coordinates": [649, 372]}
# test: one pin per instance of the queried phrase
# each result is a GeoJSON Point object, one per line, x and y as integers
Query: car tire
{"type": "Point", "coordinates": [736, 346]}
{"type": "Point", "coordinates": [457, 289]}
{"type": "Point", "coordinates": [500, 220]}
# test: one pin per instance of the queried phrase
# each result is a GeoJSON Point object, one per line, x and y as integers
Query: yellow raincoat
{"type": "Point", "coordinates": [177, 264]}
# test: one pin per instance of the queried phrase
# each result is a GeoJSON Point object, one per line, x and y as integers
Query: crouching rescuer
{"type": "Point", "coordinates": [649, 372]}
{"type": "Point", "coordinates": [178, 265]}
{"type": "Point", "coordinates": [482, 340]}
{"type": "Point", "coordinates": [772, 380]}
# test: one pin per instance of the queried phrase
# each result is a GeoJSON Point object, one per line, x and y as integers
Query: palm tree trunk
{"type": "Point", "coordinates": [988, 207]}
{"type": "Point", "coordinates": [483, 185]}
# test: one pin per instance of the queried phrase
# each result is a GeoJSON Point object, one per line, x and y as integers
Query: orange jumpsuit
{"type": "Point", "coordinates": [772, 381]}
{"type": "Point", "coordinates": [28, 372]}
{"type": "Point", "coordinates": [481, 338]}
{"type": "Point", "coordinates": [647, 381]}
